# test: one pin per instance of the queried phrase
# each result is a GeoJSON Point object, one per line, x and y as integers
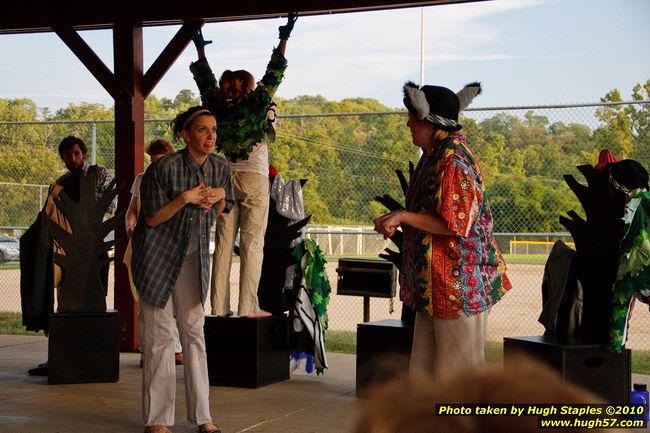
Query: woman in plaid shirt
{"type": "Point", "coordinates": [182, 194]}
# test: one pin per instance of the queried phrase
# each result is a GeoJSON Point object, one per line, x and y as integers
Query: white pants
{"type": "Point", "coordinates": [177, 339]}
{"type": "Point", "coordinates": [159, 372]}
{"type": "Point", "coordinates": [249, 215]}
{"type": "Point", "coordinates": [447, 347]}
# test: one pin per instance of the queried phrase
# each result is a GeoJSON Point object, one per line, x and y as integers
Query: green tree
{"type": "Point", "coordinates": [338, 152]}
{"type": "Point", "coordinates": [26, 161]}
{"type": "Point", "coordinates": [617, 128]}
{"type": "Point", "coordinates": [185, 99]}
{"type": "Point", "coordinates": [640, 116]}
{"type": "Point", "coordinates": [500, 123]}
{"type": "Point", "coordinates": [350, 159]}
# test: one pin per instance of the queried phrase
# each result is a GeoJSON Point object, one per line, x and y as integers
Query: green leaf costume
{"type": "Point", "coordinates": [633, 279]}
{"type": "Point", "coordinates": [241, 123]}
{"type": "Point", "coordinates": [312, 262]}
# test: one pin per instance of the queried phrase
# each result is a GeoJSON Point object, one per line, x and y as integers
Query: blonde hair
{"type": "Point", "coordinates": [439, 134]}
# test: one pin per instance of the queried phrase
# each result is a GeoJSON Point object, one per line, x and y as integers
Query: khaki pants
{"type": "Point", "coordinates": [159, 372]}
{"type": "Point", "coordinates": [249, 216]}
{"type": "Point", "coordinates": [447, 347]}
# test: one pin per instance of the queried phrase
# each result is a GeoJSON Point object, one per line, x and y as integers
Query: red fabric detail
{"type": "Point", "coordinates": [604, 157]}
{"type": "Point", "coordinates": [459, 198]}
{"type": "Point", "coordinates": [272, 171]}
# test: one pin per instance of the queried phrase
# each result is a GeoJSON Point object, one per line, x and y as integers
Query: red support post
{"type": "Point", "coordinates": [129, 160]}
{"type": "Point", "coordinates": [129, 86]}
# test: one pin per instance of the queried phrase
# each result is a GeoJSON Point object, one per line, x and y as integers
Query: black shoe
{"type": "Point", "coordinates": [41, 370]}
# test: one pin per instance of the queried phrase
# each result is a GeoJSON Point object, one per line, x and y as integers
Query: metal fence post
{"type": "Point", "coordinates": [93, 155]}
{"type": "Point", "coordinates": [359, 241]}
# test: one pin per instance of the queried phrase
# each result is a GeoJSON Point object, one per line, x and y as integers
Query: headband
{"type": "Point", "coordinates": [194, 116]}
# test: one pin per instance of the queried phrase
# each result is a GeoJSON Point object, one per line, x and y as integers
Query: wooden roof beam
{"type": "Point", "coordinates": [85, 15]}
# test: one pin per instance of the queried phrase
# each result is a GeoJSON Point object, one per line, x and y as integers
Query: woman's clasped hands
{"type": "Point", "coordinates": [204, 196]}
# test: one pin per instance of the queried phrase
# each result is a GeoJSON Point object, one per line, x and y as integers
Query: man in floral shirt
{"type": "Point", "coordinates": [452, 271]}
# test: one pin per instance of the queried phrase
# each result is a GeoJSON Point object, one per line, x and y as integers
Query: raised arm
{"type": "Point", "coordinates": [285, 32]}
{"type": "Point", "coordinates": [200, 43]}
{"type": "Point", "coordinates": [201, 71]}
{"type": "Point", "coordinates": [276, 67]}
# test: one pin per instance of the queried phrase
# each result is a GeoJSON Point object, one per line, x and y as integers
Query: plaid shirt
{"type": "Point", "coordinates": [159, 252]}
{"type": "Point", "coordinates": [104, 179]}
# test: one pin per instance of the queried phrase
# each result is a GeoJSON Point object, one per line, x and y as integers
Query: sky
{"type": "Point", "coordinates": [524, 52]}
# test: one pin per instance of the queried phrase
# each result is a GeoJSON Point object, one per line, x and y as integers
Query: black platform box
{"type": "Point", "coordinates": [84, 347]}
{"type": "Point", "coordinates": [592, 366]}
{"type": "Point", "coordinates": [383, 351]}
{"type": "Point", "coordinates": [365, 277]}
{"type": "Point", "coordinates": [246, 353]}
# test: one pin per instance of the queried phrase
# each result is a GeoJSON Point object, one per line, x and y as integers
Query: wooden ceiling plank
{"type": "Point", "coordinates": [84, 15]}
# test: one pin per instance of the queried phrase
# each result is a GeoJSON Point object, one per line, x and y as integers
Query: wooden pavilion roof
{"type": "Point", "coordinates": [43, 15]}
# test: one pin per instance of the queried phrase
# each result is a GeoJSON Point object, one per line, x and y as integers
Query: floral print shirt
{"type": "Point", "coordinates": [446, 276]}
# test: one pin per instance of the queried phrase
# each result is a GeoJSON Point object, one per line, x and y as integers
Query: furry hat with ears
{"type": "Point", "coordinates": [439, 105]}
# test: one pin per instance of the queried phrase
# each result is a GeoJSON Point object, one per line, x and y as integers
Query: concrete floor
{"type": "Point", "coordinates": [305, 403]}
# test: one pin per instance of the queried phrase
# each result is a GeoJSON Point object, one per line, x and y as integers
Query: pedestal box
{"type": "Point", "coordinates": [364, 277]}
{"type": "Point", "coordinates": [592, 366]}
{"type": "Point", "coordinates": [383, 351]}
{"type": "Point", "coordinates": [246, 353]}
{"type": "Point", "coordinates": [84, 347]}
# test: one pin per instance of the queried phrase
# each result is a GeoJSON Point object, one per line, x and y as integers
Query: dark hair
{"type": "Point", "coordinates": [183, 120]}
{"type": "Point", "coordinates": [70, 141]}
{"type": "Point", "coordinates": [159, 147]}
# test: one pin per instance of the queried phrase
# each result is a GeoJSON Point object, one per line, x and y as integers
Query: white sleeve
{"type": "Point", "coordinates": [135, 188]}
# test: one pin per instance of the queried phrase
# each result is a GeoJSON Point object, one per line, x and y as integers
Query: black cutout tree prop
{"type": "Point", "coordinates": [395, 257]}
{"type": "Point", "coordinates": [85, 249]}
{"type": "Point", "coordinates": [597, 239]}
{"type": "Point", "coordinates": [278, 237]}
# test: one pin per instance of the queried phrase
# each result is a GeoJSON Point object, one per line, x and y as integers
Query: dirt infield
{"type": "Point", "coordinates": [515, 315]}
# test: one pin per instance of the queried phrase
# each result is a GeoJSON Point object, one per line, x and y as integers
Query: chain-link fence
{"type": "Point", "coordinates": [348, 159]}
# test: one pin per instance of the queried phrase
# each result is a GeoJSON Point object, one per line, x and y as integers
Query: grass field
{"type": "Point", "coordinates": [346, 342]}
{"type": "Point", "coordinates": [9, 265]}
{"type": "Point", "coordinates": [525, 259]}
{"type": "Point", "coordinates": [12, 324]}
{"type": "Point", "coordinates": [510, 259]}
{"type": "Point", "coordinates": [514, 259]}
